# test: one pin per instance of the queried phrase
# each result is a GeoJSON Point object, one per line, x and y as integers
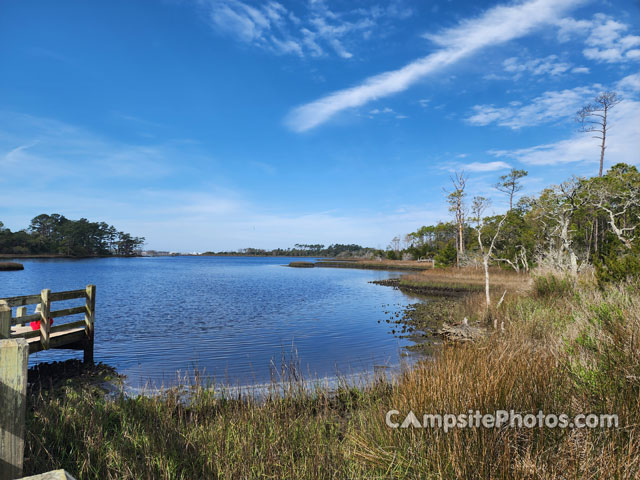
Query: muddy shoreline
{"type": "Point", "coordinates": [428, 324]}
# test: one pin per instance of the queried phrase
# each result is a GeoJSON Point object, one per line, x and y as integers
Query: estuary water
{"type": "Point", "coordinates": [234, 319]}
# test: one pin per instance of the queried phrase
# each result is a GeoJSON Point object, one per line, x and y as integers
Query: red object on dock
{"type": "Point", "coordinates": [36, 325]}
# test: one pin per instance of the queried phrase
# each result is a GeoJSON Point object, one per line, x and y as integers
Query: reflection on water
{"type": "Point", "coordinates": [233, 318]}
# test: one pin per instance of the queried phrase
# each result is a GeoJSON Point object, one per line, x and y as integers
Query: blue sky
{"type": "Point", "coordinates": [223, 124]}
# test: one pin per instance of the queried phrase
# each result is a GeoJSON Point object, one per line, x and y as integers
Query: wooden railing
{"type": "Point", "coordinates": [77, 334]}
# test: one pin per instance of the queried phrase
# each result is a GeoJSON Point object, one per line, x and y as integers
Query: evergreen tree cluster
{"type": "Point", "coordinates": [57, 235]}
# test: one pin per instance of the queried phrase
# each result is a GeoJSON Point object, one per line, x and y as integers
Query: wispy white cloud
{"type": "Point", "coordinates": [271, 26]}
{"type": "Point", "coordinates": [30, 145]}
{"type": "Point", "coordinates": [486, 166]}
{"type": "Point", "coordinates": [328, 27]}
{"type": "Point", "coordinates": [144, 189]}
{"type": "Point", "coordinates": [386, 111]}
{"type": "Point", "coordinates": [378, 111]}
{"type": "Point", "coordinates": [629, 84]}
{"type": "Point", "coordinates": [569, 28]}
{"type": "Point", "coordinates": [548, 107]}
{"type": "Point", "coordinates": [496, 26]}
{"type": "Point", "coordinates": [623, 143]}
{"type": "Point", "coordinates": [547, 66]}
{"type": "Point", "coordinates": [474, 167]}
{"type": "Point", "coordinates": [580, 70]}
{"type": "Point", "coordinates": [607, 40]}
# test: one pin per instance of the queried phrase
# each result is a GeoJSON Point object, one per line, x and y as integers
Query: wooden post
{"type": "Point", "coordinates": [44, 313]}
{"type": "Point", "coordinates": [14, 355]}
{"type": "Point", "coordinates": [5, 319]}
{"type": "Point", "coordinates": [21, 312]}
{"type": "Point", "coordinates": [89, 319]}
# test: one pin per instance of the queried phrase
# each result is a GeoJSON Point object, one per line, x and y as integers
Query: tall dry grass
{"type": "Point", "coordinates": [500, 278]}
{"type": "Point", "coordinates": [558, 354]}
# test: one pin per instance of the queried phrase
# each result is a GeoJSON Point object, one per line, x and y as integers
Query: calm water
{"type": "Point", "coordinates": [232, 317]}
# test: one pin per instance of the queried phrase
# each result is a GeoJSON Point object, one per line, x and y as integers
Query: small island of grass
{"type": "Point", "coordinates": [302, 264]}
{"type": "Point", "coordinates": [8, 266]}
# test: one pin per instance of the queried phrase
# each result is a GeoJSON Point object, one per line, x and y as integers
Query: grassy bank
{"type": "Point", "coordinates": [400, 265]}
{"type": "Point", "coordinates": [567, 347]}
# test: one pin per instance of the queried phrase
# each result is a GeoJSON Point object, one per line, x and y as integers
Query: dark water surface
{"type": "Point", "coordinates": [232, 317]}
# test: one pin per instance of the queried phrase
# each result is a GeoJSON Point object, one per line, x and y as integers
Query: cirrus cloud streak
{"type": "Point", "coordinates": [496, 26]}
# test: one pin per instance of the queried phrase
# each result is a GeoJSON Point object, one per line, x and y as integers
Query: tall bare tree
{"type": "Point", "coordinates": [455, 198]}
{"type": "Point", "coordinates": [509, 184]}
{"type": "Point", "coordinates": [593, 118]}
{"type": "Point", "coordinates": [478, 207]}
{"type": "Point", "coordinates": [395, 244]}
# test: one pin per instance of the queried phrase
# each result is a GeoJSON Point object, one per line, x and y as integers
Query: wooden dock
{"type": "Point", "coordinates": [76, 335]}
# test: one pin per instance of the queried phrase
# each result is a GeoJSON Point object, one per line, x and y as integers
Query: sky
{"type": "Point", "coordinates": [226, 124]}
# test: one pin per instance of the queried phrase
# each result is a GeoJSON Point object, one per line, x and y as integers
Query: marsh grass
{"type": "Point", "coordinates": [500, 278]}
{"type": "Point", "coordinates": [548, 284]}
{"type": "Point", "coordinates": [409, 265]}
{"type": "Point", "coordinates": [8, 266]}
{"type": "Point", "coordinates": [570, 353]}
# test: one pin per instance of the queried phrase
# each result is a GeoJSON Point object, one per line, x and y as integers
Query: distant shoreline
{"type": "Point", "coordinates": [56, 255]}
{"type": "Point", "coordinates": [72, 257]}
{"type": "Point", "coordinates": [247, 255]}
{"type": "Point", "coordinates": [324, 262]}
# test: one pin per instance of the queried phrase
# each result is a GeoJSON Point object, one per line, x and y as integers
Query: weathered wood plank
{"type": "Point", "coordinates": [24, 300]}
{"type": "Point", "coordinates": [89, 318]}
{"type": "Point", "coordinates": [26, 318]}
{"type": "Point", "coordinates": [55, 314]}
{"type": "Point", "coordinates": [26, 333]}
{"type": "Point", "coordinates": [21, 312]}
{"type": "Point", "coordinates": [68, 311]}
{"type": "Point", "coordinates": [58, 339]}
{"type": "Point", "coordinates": [55, 297]}
{"type": "Point", "coordinates": [67, 326]}
{"type": "Point", "coordinates": [68, 295]}
{"type": "Point", "coordinates": [53, 475]}
{"type": "Point", "coordinates": [44, 321]}
{"type": "Point", "coordinates": [14, 355]}
{"type": "Point", "coordinates": [5, 319]}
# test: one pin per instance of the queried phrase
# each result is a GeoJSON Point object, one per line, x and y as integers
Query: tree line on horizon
{"type": "Point", "coordinates": [57, 235]}
{"type": "Point", "coordinates": [303, 250]}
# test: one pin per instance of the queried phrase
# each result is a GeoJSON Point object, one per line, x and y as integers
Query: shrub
{"type": "Point", "coordinates": [447, 256]}
{"type": "Point", "coordinates": [614, 269]}
{"type": "Point", "coordinates": [553, 285]}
